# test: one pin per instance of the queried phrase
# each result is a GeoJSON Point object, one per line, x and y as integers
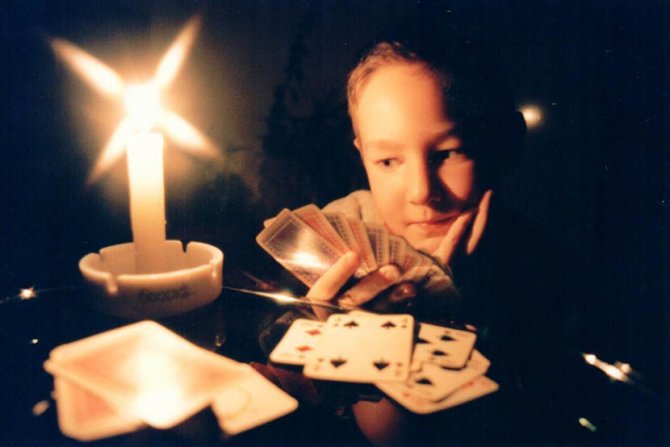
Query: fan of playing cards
{"type": "Point", "coordinates": [307, 242]}
{"type": "Point", "coordinates": [436, 370]}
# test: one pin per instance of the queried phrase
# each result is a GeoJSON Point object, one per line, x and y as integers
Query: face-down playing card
{"type": "Point", "coordinates": [297, 247]}
{"type": "Point", "coordinates": [298, 342]}
{"type": "Point", "coordinates": [363, 348]}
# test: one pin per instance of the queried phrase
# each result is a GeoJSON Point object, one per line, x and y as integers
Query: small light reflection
{"type": "Point", "coordinates": [26, 294]}
{"type": "Point", "coordinates": [304, 259]}
{"type": "Point", "coordinates": [34, 341]}
{"type": "Point", "coordinates": [619, 371]}
{"type": "Point", "coordinates": [587, 424]}
{"type": "Point", "coordinates": [532, 114]}
{"type": "Point", "coordinates": [283, 297]}
{"type": "Point", "coordinates": [41, 407]}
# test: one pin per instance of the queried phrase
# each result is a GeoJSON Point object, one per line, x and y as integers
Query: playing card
{"type": "Point", "coordinates": [341, 224]}
{"type": "Point", "coordinates": [397, 248]}
{"type": "Point", "coordinates": [297, 247]}
{"type": "Point", "coordinates": [379, 242]}
{"type": "Point", "coordinates": [144, 369]}
{"type": "Point", "coordinates": [312, 216]}
{"type": "Point", "coordinates": [476, 388]}
{"type": "Point", "coordinates": [360, 234]}
{"type": "Point", "coordinates": [85, 416]}
{"type": "Point", "coordinates": [249, 402]}
{"type": "Point", "coordinates": [433, 382]}
{"type": "Point", "coordinates": [443, 346]}
{"type": "Point", "coordinates": [298, 342]}
{"type": "Point", "coordinates": [363, 348]}
{"type": "Point", "coordinates": [412, 259]}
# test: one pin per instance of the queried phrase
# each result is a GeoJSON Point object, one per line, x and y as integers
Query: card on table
{"type": "Point", "coordinates": [476, 388]}
{"type": "Point", "coordinates": [85, 416]}
{"type": "Point", "coordinates": [446, 347]}
{"type": "Point", "coordinates": [250, 401]}
{"type": "Point", "coordinates": [433, 382]}
{"type": "Point", "coordinates": [363, 348]}
{"type": "Point", "coordinates": [298, 342]}
{"type": "Point", "coordinates": [145, 370]}
{"type": "Point", "coordinates": [297, 247]}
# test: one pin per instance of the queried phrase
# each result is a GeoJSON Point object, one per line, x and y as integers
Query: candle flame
{"type": "Point", "coordinates": [142, 101]}
{"type": "Point", "coordinates": [174, 57]}
{"type": "Point", "coordinates": [98, 75]}
{"type": "Point", "coordinates": [143, 105]}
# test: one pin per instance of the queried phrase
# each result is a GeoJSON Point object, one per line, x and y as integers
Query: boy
{"type": "Point", "coordinates": [435, 128]}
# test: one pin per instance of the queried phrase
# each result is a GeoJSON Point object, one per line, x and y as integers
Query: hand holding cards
{"type": "Point", "coordinates": [143, 374]}
{"type": "Point", "coordinates": [307, 242]}
{"type": "Point", "coordinates": [438, 370]}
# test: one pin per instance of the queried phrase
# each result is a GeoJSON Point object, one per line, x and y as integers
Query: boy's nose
{"type": "Point", "coordinates": [422, 188]}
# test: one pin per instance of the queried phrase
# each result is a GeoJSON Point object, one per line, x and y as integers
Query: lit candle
{"type": "Point", "coordinates": [147, 200]}
{"type": "Point", "coordinates": [145, 178]}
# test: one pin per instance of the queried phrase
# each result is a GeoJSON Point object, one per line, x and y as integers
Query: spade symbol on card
{"type": "Point", "coordinates": [438, 353]}
{"type": "Point", "coordinates": [351, 324]}
{"type": "Point", "coordinates": [381, 364]}
{"type": "Point", "coordinates": [337, 362]}
{"type": "Point", "coordinates": [447, 337]}
{"type": "Point", "coordinates": [388, 325]}
{"type": "Point", "coordinates": [421, 341]}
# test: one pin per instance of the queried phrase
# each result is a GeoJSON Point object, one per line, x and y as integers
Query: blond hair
{"type": "Point", "coordinates": [381, 55]}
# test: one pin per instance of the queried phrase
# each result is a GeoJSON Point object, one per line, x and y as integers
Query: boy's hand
{"type": "Point", "coordinates": [458, 233]}
{"type": "Point", "coordinates": [367, 289]}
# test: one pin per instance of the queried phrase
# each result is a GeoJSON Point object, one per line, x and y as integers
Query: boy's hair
{"type": "Point", "coordinates": [382, 54]}
{"type": "Point", "coordinates": [476, 93]}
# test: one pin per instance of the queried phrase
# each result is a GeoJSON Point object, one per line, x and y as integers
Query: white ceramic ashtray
{"type": "Point", "coordinates": [190, 279]}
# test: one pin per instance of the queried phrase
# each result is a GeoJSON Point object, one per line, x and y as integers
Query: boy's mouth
{"type": "Point", "coordinates": [432, 224]}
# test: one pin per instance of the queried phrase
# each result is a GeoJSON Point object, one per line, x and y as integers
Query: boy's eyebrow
{"type": "Point", "coordinates": [389, 145]}
{"type": "Point", "coordinates": [384, 145]}
{"type": "Point", "coordinates": [446, 134]}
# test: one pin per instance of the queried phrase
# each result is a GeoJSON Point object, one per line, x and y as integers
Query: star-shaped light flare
{"type": "Point", "coordinates": [142, 101]}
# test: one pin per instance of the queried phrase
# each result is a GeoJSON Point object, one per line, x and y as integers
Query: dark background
{"type": "Point", "coordinates": [265, 82]}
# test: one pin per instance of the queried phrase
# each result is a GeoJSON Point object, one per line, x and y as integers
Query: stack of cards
{"type": "Point", "coordinates": [143, 374]}
{"type": "Point", "coordinates": [444, 369]}
{"type": "Point", "coordinates": [307, 242]}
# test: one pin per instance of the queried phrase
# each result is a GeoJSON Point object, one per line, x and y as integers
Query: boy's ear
{"type": "Point", "coordinates": [357, 144]}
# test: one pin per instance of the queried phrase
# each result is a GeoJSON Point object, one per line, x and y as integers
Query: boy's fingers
{"type": "Point", "coordinates": [398, 298]}
{"type": "Point", "coordinates": [335, 277]}
{"type": "Point", "coordinates": [479, 224]}
{"type": "Point", "coordinates": [370, 286]}
{"type": "Point", "coordinates": [451, 240]}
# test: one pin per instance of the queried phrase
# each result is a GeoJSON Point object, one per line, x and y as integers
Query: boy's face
{"type": "Point", "coordinates": [419, 178]}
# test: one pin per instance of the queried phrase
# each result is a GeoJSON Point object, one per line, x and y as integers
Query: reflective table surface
{"type": "Point", "coordinates": [234, 325]}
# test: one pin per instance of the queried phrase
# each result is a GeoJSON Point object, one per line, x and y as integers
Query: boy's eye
{"type": "Point", "coordinates": [440, 157]}
{"type": "Point", "coordinates": [387, 162]}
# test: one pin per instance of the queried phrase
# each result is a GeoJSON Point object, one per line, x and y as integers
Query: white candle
{"type": "Point", "coordinates": [147, 200]}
